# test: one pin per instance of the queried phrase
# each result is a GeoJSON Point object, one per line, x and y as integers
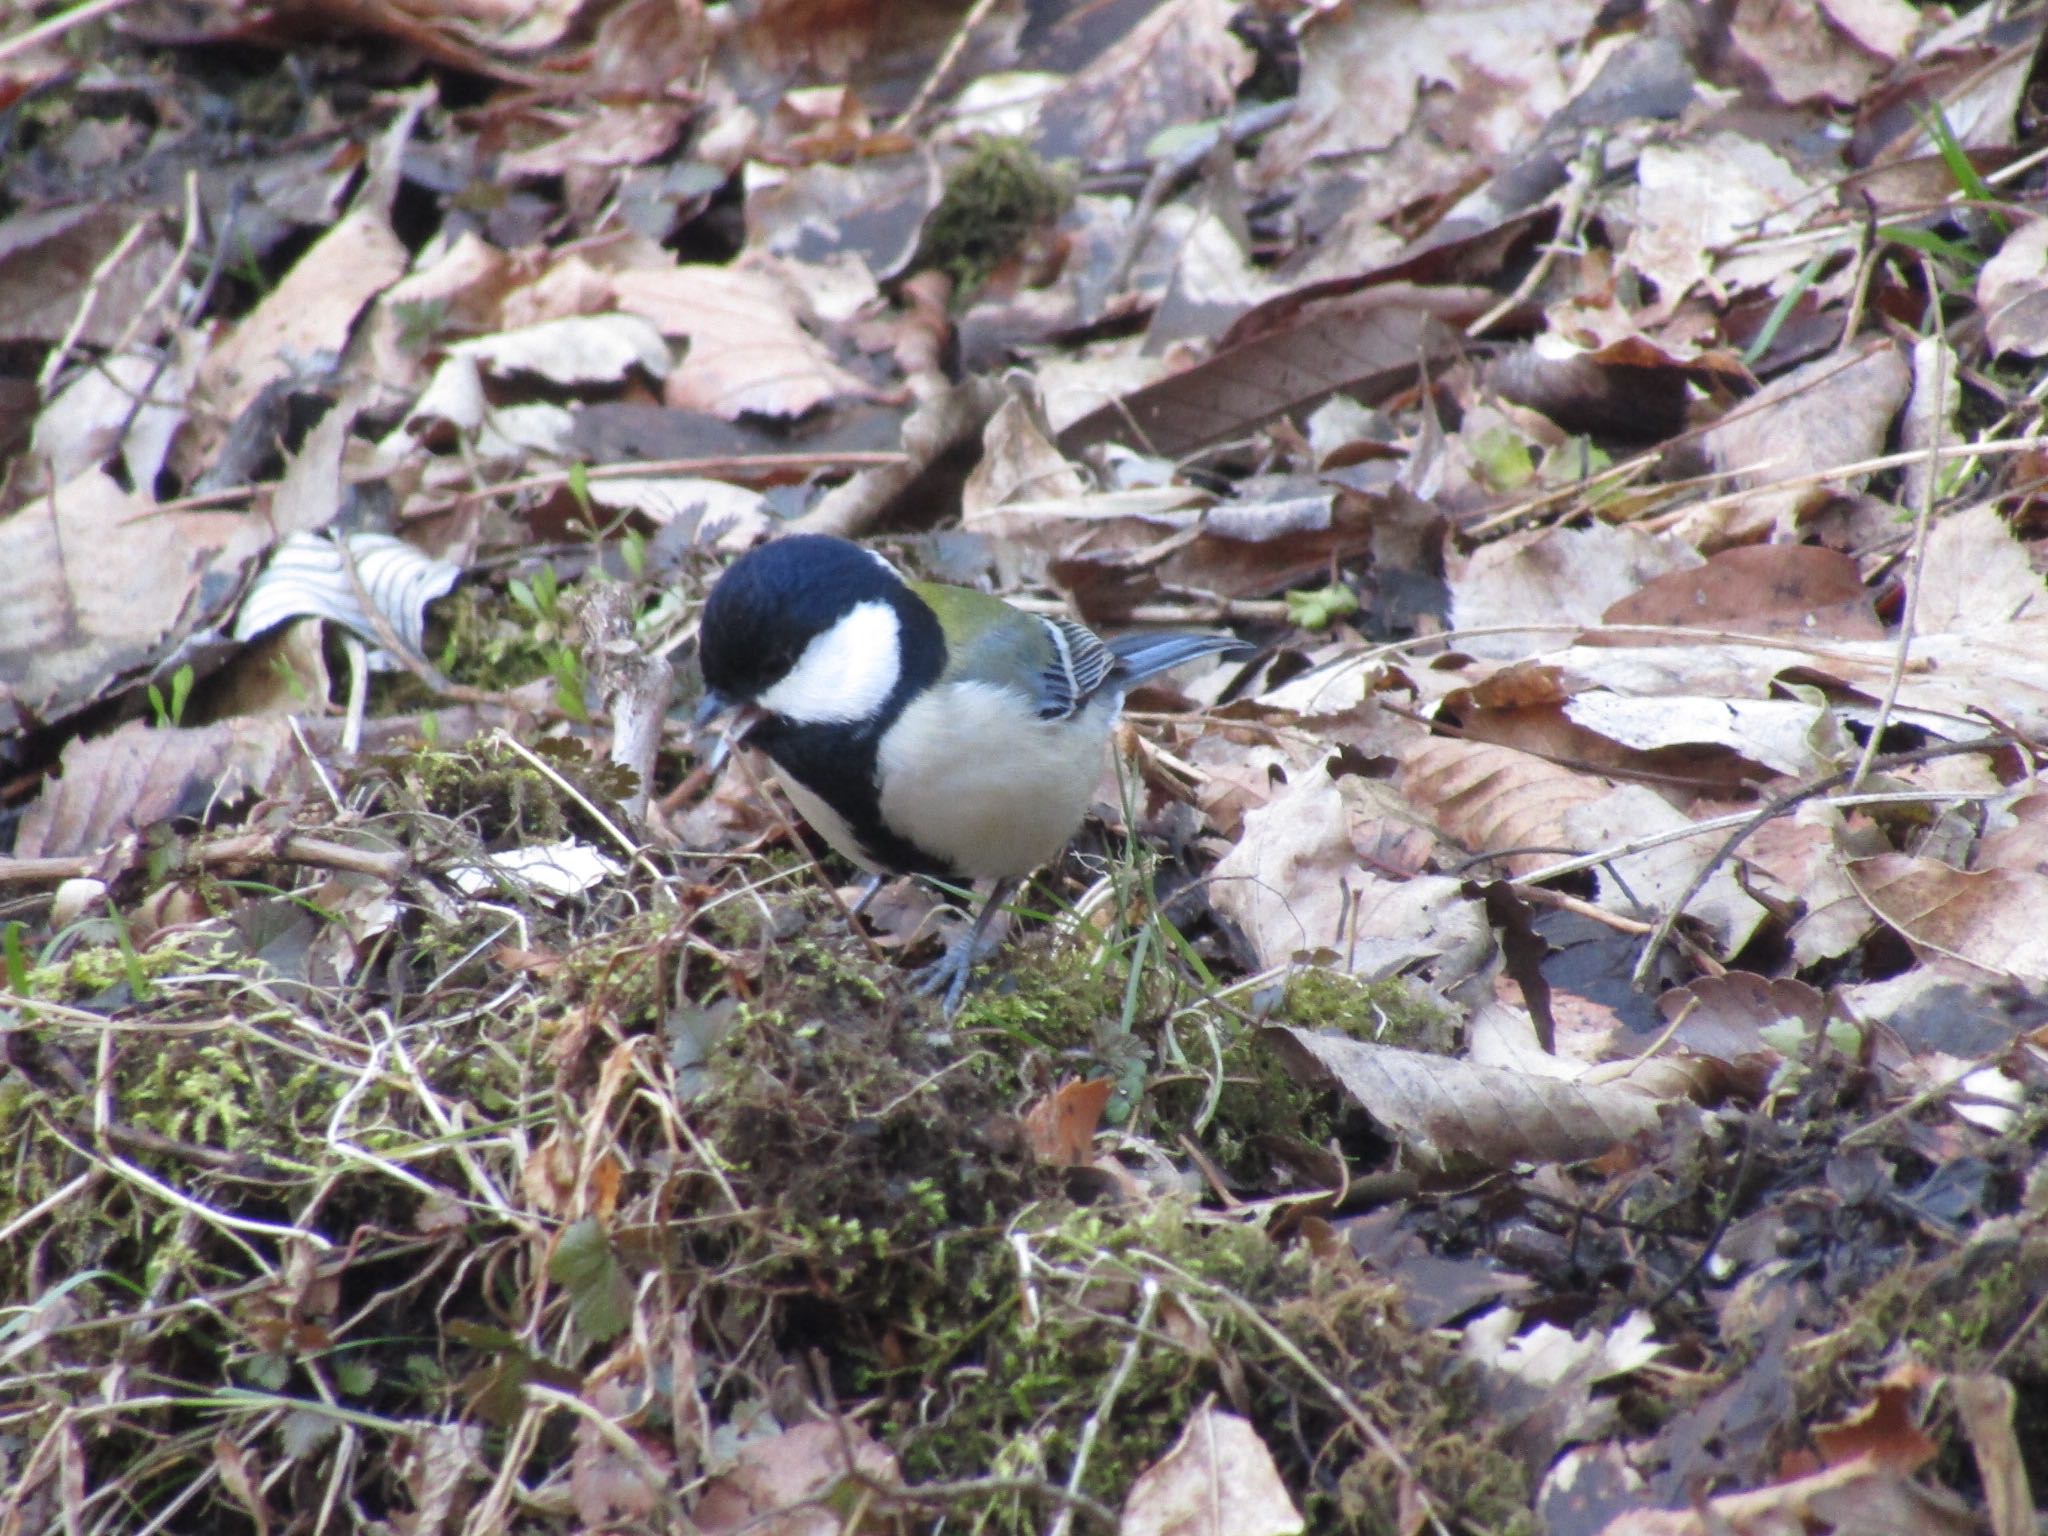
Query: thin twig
{"type": "Point", "coordinates": [1148, 1291]}
{"type": "Point", "coordinates": [1916, 559]}
{"type": "Point", "coordinates": [955, 46]}
{"type": "Point", "coordinates": [58, 25]}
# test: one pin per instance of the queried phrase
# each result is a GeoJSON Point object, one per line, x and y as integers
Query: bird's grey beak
{"type": "Point", "coordinates": [735, 719]}
{"type": "Point", "coordinates": [709, 708]}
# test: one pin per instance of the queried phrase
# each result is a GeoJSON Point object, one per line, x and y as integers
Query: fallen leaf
{"type": "Point", "coordinates": [1061, 1126]}
{"type": "Point", "coordinates": [1218, 1480]}
{"type": "Point", "coordinates": [1454, 1113]}
{"type": "Point", "coordinates": [782, 1484]}
{"type": "Point", "coordinates": [1985, 1405]}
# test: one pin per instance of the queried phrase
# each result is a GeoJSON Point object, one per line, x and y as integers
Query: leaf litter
{"type": "Point", "coordinates": [1554, 1043]}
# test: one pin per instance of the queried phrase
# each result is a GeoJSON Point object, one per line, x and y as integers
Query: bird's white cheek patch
{"type": "Point", "coordinates": [844, 674]}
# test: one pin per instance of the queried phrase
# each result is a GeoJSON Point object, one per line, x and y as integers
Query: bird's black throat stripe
{"type": "Point", "coordinates": [837, 763]}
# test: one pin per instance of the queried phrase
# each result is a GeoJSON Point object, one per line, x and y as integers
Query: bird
{"type": "Point", "coordinates": [920, 728]}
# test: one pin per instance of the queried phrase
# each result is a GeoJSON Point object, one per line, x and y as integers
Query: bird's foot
{"type": "Point", "coordinates": [953, 972]}
{"type": "Point", "coordinates": [950, 974]}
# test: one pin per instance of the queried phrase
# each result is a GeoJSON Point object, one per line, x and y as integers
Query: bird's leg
{"type": "Point", "coordinates": [868, 888]}
{"type": "Point", "coordinates": [951, 972]}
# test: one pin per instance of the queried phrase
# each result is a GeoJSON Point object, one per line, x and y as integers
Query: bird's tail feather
{"type": "Point", "coordinates": [1147, 655]}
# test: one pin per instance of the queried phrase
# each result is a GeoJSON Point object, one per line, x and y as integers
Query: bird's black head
{"type": "Point", "coordinates": [775, 601]}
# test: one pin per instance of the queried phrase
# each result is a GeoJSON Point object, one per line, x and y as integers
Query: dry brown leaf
{"type": "Point", "coordinates": [1698, 199]}
{"type": "Point", "coordinates": [1800, 56]}
{"type": "Point", "coordinates": [748, 352]}
{"type": "Point", "coordinates": [1985, 1405]}
{"type": "Point", "coordinates": [1976, 576]}
{"type": "Point", "coordinates": [1218, 1480]}
{"type": "Point", "coordinates": [1060, 1127]}
{"type": "Point", "coordinates": [607, 1487]}
{"type": "Point", "coordinates": [48, 264]}
{"type": "Point", "coordinates": [782, 1484]}
{"type": "Point", "coordinates": [1364, 69]}
{"type": "Point", "coordinates": [548, 1175]}
{"type": "Point", "coordinates": [1724, 1017]}
{"type": "Point", "coordinates": [1646, 883]}
{"type": "Point", "coordinates": [1461, 1114]}
{"type": "Point", "coordinates": [1760, 589]}
{"type": "Point", "coordinates": [1554, 576]}
{"type": "Point", "coordinates": [610, 136]}
{"type": "Point", "coordinates": [312, 310]}
{"type": "Point", "coordinates": [1365, 346]}
{"type": "Point", "coordinates": [2012, 291]}
{"type": "Point", "coordinates": [1018, 463]}
{"type": "Point", "coordinates": [1295, 884]}
{"type": "Point", "coordinates": [1490, 799]}
{"type": "Point", "coordinates": [1829, 413]}
{"type": "Point", "coordinates": [115, 785]}
{"type": "Point", "coordinates": [1180, 64]}
{"type": "Point", "coordinates": [1995, 919]}
{"type": "Point", "coordinates": [1883, 1433]}
{"type": "Point", "coordinates": [1848, 1500]}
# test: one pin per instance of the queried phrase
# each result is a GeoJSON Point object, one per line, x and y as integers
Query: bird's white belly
{"type": "Point", "coordinates": [970, 775]}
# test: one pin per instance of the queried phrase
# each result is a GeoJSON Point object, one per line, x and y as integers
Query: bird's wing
{"type": "Point", "coordinates": [1144, 655]}
{"type": "Point", "coordinates": [1080, 665]}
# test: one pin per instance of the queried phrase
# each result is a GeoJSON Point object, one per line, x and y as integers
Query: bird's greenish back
{"type": "Point", "coordinates": [987, 639]}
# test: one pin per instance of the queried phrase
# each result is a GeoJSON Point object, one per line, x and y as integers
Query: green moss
{"type": "Point", "coordinates": [482, 638]}
{"type": "Point", "coordinates": [1389, 1012]}
{"type": "Point", "coordinates": [498, 794]}
{"type": "Point", "coordinates": [993, 201]}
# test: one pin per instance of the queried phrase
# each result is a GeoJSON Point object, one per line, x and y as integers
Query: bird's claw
{"type": "Point", "coordinates": [948, 975]}
{"type": "Point", "coordinates": [953, 972]}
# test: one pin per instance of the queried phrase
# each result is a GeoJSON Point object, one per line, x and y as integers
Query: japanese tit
{"type": "Point", "coordinates": [920, 729]}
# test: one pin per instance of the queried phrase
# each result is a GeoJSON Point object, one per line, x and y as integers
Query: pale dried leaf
{"type": "Point", "coordinates": [1462, 1114]}
{"type": "Point", "coordinates": [748, 353]}
{"type": "Point", "coordinates": [1831, 412]}
{"type": "Point", "coordinates": [1644, 884]}
{"type": "Point", "coordinates": [1800, 56]}
{"type": "Point", "coordinates": [310, 576]}
{"type": "Point", "coordinates": [1976, 575]}
{"type": "Point", "coordinates": [577, 350]}
{"type": "Point", "coordinates": [1985, 1405]}
{"type": "Point", "coordinates": [47, 263]}
{"type": "Point", "coordinates": [611, 135]}
{"type": "Point", "coordinates": [2012, 291]}
{"type": "Point", "coordinates": [130, 403]}
{"type": "Point", "coordinates": [1849, 1499]}
{"type": "Point", "coordinates": [114, 785]}
{"type": "Point", "coordinates": [1996, 920]}
{"type": "Point", "coordinates": [780, 1485]}
{"type": "Point", "coordinates": [1553, 576]}
{"type": "Point", "coordinates": [1180, 64]}
{"type": "Point", "coordinates": [96, 583]}
{"type": "Point", "coordinates": [310, 312]}
{"type": "Point", "coordinates": [1294, 885]}
{"type": "Point", "coordinates": [1218, 1480]}
{"type": "Point", "coordinates": [1778, 733]}
{"type": "Point", "coordinates": [1365, 67]}
{"type": "Point", "coordinates": [559, 869]}
{"type": "Point", "coordinates": [1018, 463]}
{"type": "Point", "coordinates": [1929, 420]}
{"type": "Point", "coordinates": [1697, 198]}
{"type": "Point", "coordinates": [1539, 1382]}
